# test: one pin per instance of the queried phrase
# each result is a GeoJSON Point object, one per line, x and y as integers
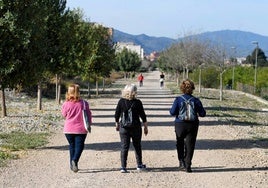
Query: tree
{"type": "Point", "coordinates": [67, 47]}
{"type": "Point", "coordinates": [262, 59]}
{"type": "Point", "coordinates": [31, 44]}
{"type": "Point", "coordinates": [98, 53]}
{"type": "Point", "coordinates": [128, 61]}
{"type": "Point", "coordinates": [171, 60]}
{"type": "Point", "coordinates": [184, 56]}
{"type": "Point", "coordinates": [14, 40]}
{"type": "Point", "coordinates": [43, 18]}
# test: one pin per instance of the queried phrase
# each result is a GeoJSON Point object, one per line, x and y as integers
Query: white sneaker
{"type": "Point", "coordinates": [141, 167]}
{"type": "Point", "coordinates": [123, 170]}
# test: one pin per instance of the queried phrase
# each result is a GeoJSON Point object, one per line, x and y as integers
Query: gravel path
{"type": "Point", "coordinates": [222, 158]}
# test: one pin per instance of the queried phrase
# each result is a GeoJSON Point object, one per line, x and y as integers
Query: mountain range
{"type": "Point", "coordinates": [241, 40]}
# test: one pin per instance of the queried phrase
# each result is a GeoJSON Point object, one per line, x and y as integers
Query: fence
{"type": "Point", "coordinates": [250, 89]}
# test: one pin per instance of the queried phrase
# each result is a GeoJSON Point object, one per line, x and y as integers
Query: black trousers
{"type": "Point", "coordinates": [125, 135]}
{"type": "Point", "coordinates": [186, 134]}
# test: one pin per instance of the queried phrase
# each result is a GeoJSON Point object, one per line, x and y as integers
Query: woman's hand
{"type": "Point", "coordinates": [145, 128]}
{"type": "Point", "coordinates": [117, 126]}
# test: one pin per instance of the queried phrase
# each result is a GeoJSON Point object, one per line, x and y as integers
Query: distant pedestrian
{"type": "Point", "coordinates": [186, 131]}
{"type": "Point", "coordinates": [134, 131]}
{"type": "Point", "coordinates": [140, 79]}
{"type": "Point", "coordinates": [74, 129]}
{"type": "Point", "coordinates": [162, 79]}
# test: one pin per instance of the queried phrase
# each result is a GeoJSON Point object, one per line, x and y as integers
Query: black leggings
{"type": "Point", "coordinates": [125, 135]}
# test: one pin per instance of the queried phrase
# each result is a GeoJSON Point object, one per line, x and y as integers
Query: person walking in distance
{"type": "Point", "coordinates": [140, 79]}
{"type": "Point", "coordinates": [134, 129]}
{"type": "Point", "coordinates": [162, 79]}
{"type": "Point", "coordinates": [186, 108]}
{"type": "Point", "coordinates": [74, 129]}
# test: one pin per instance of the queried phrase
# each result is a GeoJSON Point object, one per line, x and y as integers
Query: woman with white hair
{"type": "Point", "coordinates": [133, 131]}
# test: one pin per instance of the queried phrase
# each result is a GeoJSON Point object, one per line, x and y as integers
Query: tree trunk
{"type": "Point", "coordinates": [184, 73]}
{"type": "Point", "coordinates": [103, 84]}
{"type": "Point", "coordinates": [88, 90]}
{"type": "Point", "coordinates": [39, 96]}
{"type": "Point", "coordinates": [97, 87]}
{"type": "Point", "coordinates": [59, 90]}
{"type": "Point", "coordinates": [4, 110]}
{"type": "Point", "coordinates": [221, 92]}
{"type": "Point", "coordinates": [56, 83]}
{"type": "Point", "coordinates": [200, 76]}
{"type": "Point", "coordinates": [177, 78]}
{"type": "Point", "coordinates": [187, 73]}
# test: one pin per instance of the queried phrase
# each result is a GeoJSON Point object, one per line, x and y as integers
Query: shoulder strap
{"type": "Point", "coordinates": [191, 98]}
{"type": "Point", "coordinates": [186, 99]}
{"type": "Point", "coordinates": [183, 98]}
{"type": "Point", "coordinates": [130, 106]}
{"type": "Point", "coordinates": [84, 105]}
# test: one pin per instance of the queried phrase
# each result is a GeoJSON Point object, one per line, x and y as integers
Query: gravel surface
{"type": "Point", "coordinates": [224, 157]}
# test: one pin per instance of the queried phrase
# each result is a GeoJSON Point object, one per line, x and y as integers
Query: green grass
{"type": "Point", "coordinates": [11, 143]}
{"type": "Point", "coordinates": [235, 110]}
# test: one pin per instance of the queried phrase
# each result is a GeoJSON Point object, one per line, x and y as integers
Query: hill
{"type": "Point", "coordinates": [228, 38]}
{"type": "Point", "coordinates": [148, 43]}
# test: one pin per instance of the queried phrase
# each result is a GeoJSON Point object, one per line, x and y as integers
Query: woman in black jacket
{"type": "Point", "coordinates": [186, 130]}
{"type": "Point", "coordinates": [133, 132]}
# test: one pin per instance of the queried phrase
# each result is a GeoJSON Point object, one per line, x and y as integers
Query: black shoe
{"type": "Point", "coordinates": [141, 167]}
{"type": "Point", "coordinates": [123, 170]}
{"type": "Point", "coordinates": [189, 170]}
{"type": "Point", "coordinates": [182, 165]}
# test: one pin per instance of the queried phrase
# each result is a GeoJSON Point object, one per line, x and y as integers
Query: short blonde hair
{"type": "Point", "coordinates": [73, 93]}
{"type": "Point", "coordinates": [129, 92]}
{"type": "Point", "coordinates": [187, 86]}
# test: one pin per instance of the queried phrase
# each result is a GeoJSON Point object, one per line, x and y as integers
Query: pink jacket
{"type": "Point", "coordinates": [72, 111]}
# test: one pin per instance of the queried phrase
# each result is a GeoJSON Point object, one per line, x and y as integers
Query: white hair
{"type": "Point", "coordinates": [129, 92]}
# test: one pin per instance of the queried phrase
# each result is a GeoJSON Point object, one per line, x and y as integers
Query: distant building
{"type": "Point", "coordinates": [240, 60]}
{"type": "Point", "coordinates": [131, 47]}
{"type": "Point", "coordinates": [153, 56]}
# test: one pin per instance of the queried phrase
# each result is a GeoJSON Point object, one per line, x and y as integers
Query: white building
{"type": "Point", "coordinates": [131, 47]}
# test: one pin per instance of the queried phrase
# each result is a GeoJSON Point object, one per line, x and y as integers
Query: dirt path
{"type": "Point", "coordinates": [220, 159]}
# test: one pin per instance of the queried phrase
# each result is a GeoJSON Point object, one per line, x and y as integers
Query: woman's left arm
{"type": "Point", "coordinates": [200, 109]}
{"type": "Point", "coordinates": [89, 113]}
{"type": "Point", "coordinates": [142, 112]}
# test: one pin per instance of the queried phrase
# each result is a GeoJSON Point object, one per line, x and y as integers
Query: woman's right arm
{"type": "Point", "coordinates": [64, 110]}
{"type": "Point", "coordinates": [117, 115]}
{"type": "Point", "coordinates": [174, 108]}
{"type": "Point", "coordinates": [118, 111]}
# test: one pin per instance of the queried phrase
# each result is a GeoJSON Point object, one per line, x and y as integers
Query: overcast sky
{"type": "Point", "coordinates": [176, 18]}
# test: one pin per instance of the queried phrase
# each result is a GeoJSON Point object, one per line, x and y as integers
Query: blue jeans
{"type": "Point", "coordinates": [76, 145]}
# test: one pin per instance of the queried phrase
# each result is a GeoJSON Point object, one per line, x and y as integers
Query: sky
{"type": "Point", "coordinates": [176, 18]}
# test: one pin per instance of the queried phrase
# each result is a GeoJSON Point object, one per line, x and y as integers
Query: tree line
{"type": "Point", "coordinates": [211, 66]}
{"type": "Point", "coordinates": [43, 40]}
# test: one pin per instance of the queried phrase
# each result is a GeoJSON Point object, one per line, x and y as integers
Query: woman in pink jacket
{"type": "Point", "coordinates": [74, 129]}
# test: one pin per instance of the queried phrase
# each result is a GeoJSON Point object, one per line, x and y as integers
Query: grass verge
{"type": "Point", "coordinates": [12, 143]}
